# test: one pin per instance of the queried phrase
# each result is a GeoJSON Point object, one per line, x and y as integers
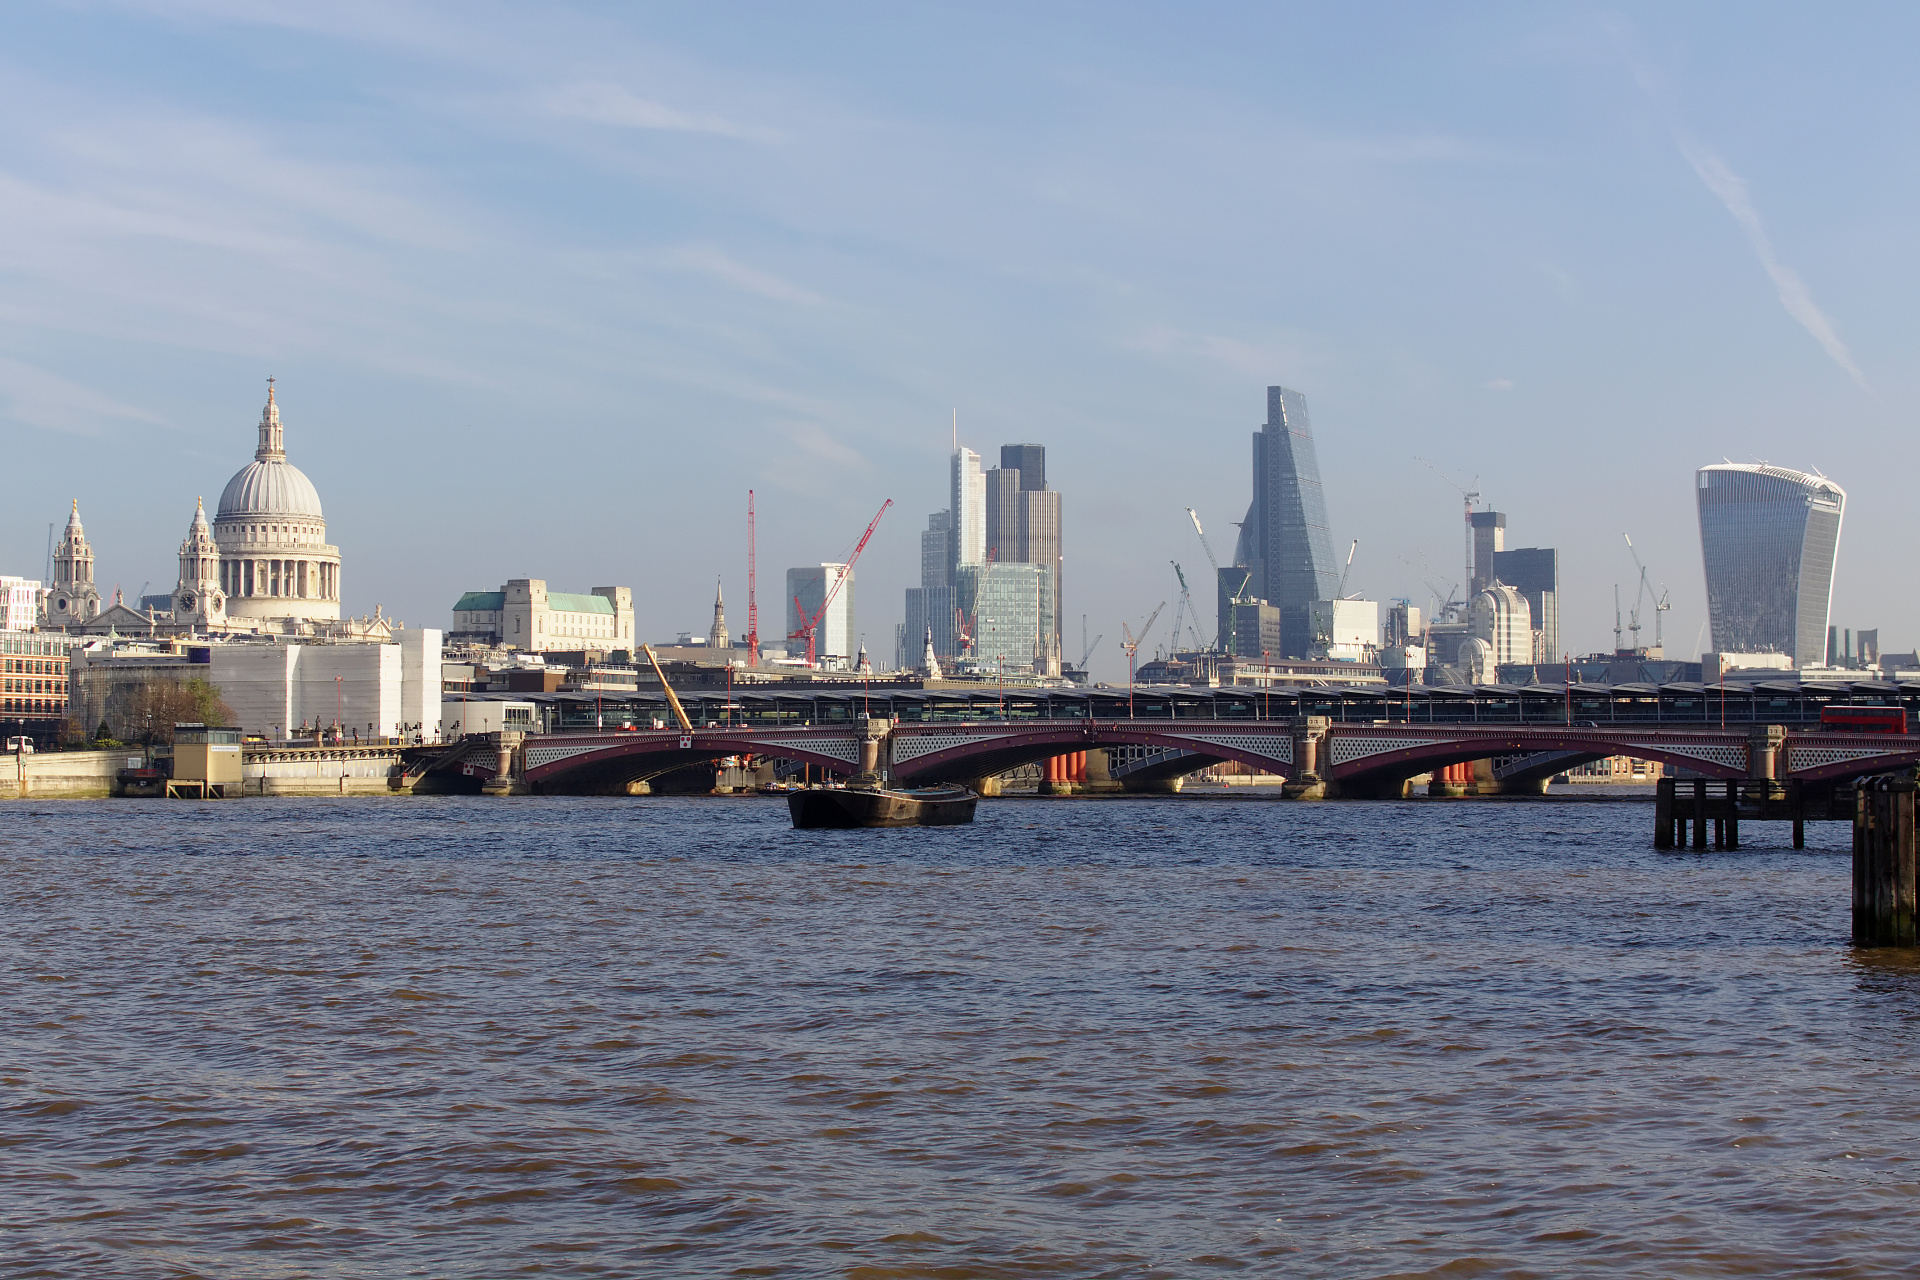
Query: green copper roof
{"type": "Point", "coordinates": [564, 601]}
{"type": "Point", "coordinates": [569, 603]}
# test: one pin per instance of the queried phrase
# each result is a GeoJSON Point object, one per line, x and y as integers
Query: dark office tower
{"type": "Point", "coordinates": [1003, 515]}
{"type": "Point", "coordinates": [1030, 460]}
{"type": "Point", "coordinates": [1535, 573]}
{"type": "Point", "coordinates": [1769, 537]}
{"type": "Point", "coordinates": [1489, 540]}
{"type": "Point", "coordinates": [1295, 547]}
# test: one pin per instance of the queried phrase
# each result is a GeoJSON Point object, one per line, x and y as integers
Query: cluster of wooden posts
{"type": "Point", "coordinates": [1886, 872]}
{"type": "Point", "coordinates": [1716, 806]}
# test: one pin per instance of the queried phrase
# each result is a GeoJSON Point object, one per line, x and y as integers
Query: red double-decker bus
{"type": "Point", "coordinates": [1864, 719]}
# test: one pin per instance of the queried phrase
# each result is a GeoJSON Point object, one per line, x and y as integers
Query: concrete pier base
{"type": "Point", "coordinates": [1305, 786]}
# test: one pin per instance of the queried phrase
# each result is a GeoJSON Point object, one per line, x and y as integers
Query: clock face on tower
{"type": "Point", "coordinates": [186, 599]}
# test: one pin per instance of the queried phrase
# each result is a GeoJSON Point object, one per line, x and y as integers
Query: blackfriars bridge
{"type": "Point", "coordinates": [1516, 739]}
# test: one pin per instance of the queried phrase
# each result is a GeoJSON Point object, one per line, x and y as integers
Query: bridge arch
{"type": "Point", "coordinates": [602, 764]}
{"type": "Point", "coordinates": [956, 755]}
{"type": "Point", "coordinates": [1373, 766]}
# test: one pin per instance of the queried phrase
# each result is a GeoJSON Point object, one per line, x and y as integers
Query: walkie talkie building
{"type": "Point", "coordinates": [1769, 537]}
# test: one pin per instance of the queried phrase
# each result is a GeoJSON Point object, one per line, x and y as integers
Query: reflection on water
{"type": "Point", "coordinates": [1123, 1038]}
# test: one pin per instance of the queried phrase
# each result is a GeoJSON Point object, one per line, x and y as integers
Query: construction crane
{"type": "Point", "coordinates": [1131, 644]}
{"type": "Point", "coordinates": [1444, 603]}
{"type": "Point", "coordinates": [1087, 656]}
{"type": "Point", "coordinates": [1661, 603]}
{"type": "Point", "coordinates": [1235, 595]}
{"type": "Point", "coordinates": [1470, 494]}
{"type": "Point", "coordinates": [1186, 606]}
{"type": "Point", "coordinates": [810, 627]}
{"type": "Point", "coordinates": [1341, 593]}
{"type": "Point", "coordinates": [753, 610]}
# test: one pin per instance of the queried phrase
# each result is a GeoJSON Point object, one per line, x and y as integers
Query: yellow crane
{"type": "Point", "coordinates": [679, 712]}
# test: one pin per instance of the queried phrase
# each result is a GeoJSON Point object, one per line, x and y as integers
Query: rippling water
{"type": "Point", "coordinates": [1081, 1038]}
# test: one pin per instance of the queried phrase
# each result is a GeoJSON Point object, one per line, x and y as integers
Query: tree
{"type": "Point", "coordinates": [155, 706]}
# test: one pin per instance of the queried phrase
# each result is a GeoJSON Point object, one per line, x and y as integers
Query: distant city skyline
{"type": "Point", "coordinates": [546, 294]}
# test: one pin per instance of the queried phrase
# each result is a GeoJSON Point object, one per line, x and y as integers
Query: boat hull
{"type": "Point", "coordinates": [840, 808]}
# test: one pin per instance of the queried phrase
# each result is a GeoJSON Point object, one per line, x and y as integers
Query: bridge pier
{"type": "Point", "coordinates": [1064, 775]}
{"type": "Point", "coordinates": [1309, 737]}
{"type": "Point", "coordinates": [1098, 775]}
{"type": "Point", "coordinates": [1884, 897]}
{"type": "Point", "coordinates": [506, 780]}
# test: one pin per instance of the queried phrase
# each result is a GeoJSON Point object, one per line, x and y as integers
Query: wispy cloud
{"type": "Point", "coordinates": [1732, 191]}
{"type": "Point", "coordinates": [36, 398]}
{"type": "Point", "coordinates": [1498, 384]}
{"type": "Point", "coordinates": [710, 260]}
{"type": "Point", "coordinates": [1794, 295]}
{"type": "Point", "coordinates": [610, 104]}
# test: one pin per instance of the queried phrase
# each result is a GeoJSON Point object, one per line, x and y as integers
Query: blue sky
{"type": "Point", "coordinates": [548, 288]}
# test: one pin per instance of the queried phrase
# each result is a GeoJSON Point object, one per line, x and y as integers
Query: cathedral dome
{"type": "Point", "coordinates": [265, 489]}
{"type": "Point", "coordinates": [270, 485]}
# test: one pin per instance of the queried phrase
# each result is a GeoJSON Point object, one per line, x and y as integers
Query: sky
{"type": "Point", "coordinates": [548, 288]}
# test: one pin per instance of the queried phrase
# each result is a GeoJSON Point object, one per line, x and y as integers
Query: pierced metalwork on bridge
{"type": "Point", "coordinates": [1273, 746]}
{"type": "Point", "coordinates": [540, 756]}
{"type": "Point", "coordinates": [1731, 757]}
{"type": "Point", "coordinates": [1348, 748]}
{"type": "Point", "coordinates": [841, 748]}
{"type": "Point", "coordinates": [911, 746]}
{"type": "Point", "coordinates": [1800, 758]}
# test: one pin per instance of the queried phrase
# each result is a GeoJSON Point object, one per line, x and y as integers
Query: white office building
{"type": "Point", "coordinates": [835, 642]}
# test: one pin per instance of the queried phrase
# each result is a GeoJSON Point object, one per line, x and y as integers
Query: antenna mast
{"type": "Point", "coordinates": [753, 611]}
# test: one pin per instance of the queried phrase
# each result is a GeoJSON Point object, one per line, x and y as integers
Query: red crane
{"type": "Point", "coordinates": [810, 627]}
{"type": "Point", "coordinates": [753, 611]}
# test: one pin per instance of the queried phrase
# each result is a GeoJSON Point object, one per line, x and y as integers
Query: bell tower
{"type": "Point", "coordinates": [197, 598]}
{"type": "Point", "coordinates": [74, 598]}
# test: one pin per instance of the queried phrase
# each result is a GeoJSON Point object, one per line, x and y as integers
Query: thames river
{"type": "Point", "coordinates": [1131, 1038]}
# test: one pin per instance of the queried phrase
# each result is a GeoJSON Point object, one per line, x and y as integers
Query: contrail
{"type": "Point", "coordinates": [1732, 190]}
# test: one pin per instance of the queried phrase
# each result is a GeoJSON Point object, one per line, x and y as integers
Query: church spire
{"type": "Point", "coordinates": [273, 446]}
{"type": "Point", "coordinates": [717, 637]}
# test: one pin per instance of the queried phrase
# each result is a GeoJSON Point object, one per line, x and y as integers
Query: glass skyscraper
{"type": "Point", "coordinates": [1293, 547]}
{"type": "Point", "coordinates": [1769, 537]}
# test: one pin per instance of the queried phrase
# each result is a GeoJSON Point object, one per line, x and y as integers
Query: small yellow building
{"type": "Point", "coordinates": [206, 762]}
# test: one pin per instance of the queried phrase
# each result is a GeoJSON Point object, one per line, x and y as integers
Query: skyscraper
{"type": "Point", "coordinates": [1293, 547]}
{"type": "Point", "coordinates": [1023, 523]}
{"type": "Point", "coordinates": [1769, 537]}
{"type": "Point", "coordinates": [968, 503]}
{"type": "Point", "coordinates": [936, 551]}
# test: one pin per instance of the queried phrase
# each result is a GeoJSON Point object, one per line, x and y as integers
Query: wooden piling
{"type": "Point", "coordinates": [1733, 815]}
{"type": "Point", "coordinates": [1699, 813]}
{"type": "Point", "coordinates": [1883, 863]}
{"type": "Point", "coordinates": [1663, 814]}
{"type": "Point", "coordinates": [1798, 800]}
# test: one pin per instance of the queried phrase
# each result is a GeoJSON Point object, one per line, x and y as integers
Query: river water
{"type": "Point", "coordinates": [1128, 1038]}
